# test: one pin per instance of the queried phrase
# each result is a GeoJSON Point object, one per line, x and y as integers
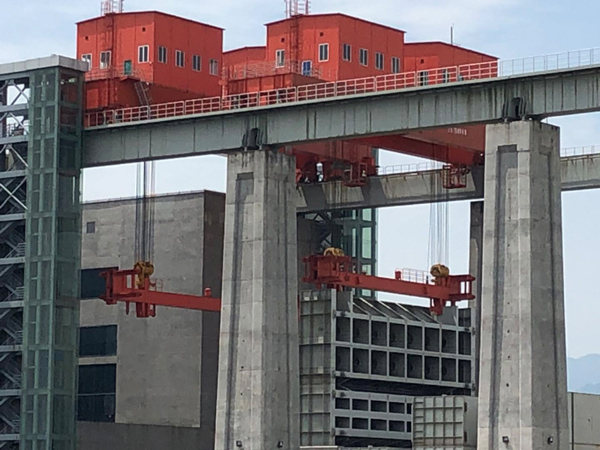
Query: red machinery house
{"type": "Point", "coordinates": [139, 58]}
{"type": "Point", "coordinates": [308, 49]}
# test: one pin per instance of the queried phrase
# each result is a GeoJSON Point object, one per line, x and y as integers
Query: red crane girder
{"type": "Point", "coordinates": [336, 272]}
{"type": "Point", "coordinates": [129, 287]}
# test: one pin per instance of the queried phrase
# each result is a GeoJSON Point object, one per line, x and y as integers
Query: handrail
{"type": "Point", "coordinates": [382, 83]}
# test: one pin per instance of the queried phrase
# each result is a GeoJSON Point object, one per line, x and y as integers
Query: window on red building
{"type": "Point", "coordinates": [280, 58]}
{"type": "Point", "coordinates": [347, 52]}
{"type": "Point", "coordinates": [179, 58]}
{"type": "Point", "coordinates": [395, 64]}
{"type": "Point", "coordinates": [214, 67]}
{"type": "Point", "coordinates": [162, 54]}
{"type": "Point", "coordinates": [105, 59]}
{"type": "Point", "coordinates": [88, 59]}
{"type": "Point", "coordinates": [323, 52]}
{"type": "Point", "coordinates": [423, 78]}
{"type": "Point", "coordinates": [196, 63]}
{"type": "Point", "coordinates": [143, 53]}
{"type": "Point", "coordinates": [379, 61]}
{"type": "Point", "coordinates": [364, 57]}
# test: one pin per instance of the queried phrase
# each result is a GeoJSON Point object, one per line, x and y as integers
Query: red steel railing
{"type": "Point", "coordinates": [308, 92]}
{"type": "Point", "coordinates": [343, 88]}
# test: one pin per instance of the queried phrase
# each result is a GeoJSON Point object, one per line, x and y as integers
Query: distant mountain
{"type": "Point", "coordinates": [584, 374]}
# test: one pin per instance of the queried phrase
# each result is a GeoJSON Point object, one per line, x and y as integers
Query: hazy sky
{"type": "Point", "coordinates": [506, 28]}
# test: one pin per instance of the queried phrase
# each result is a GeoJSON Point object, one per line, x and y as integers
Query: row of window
{"type": "Point", "coordinates": [363, 57]}
{"type": "Point", "coordinates": [144, 57]}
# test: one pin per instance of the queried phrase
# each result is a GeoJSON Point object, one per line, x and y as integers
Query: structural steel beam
{"type": "Point", "coordinates": [544, 94]}
{"type": "Point", "coordinates": [578, 173]}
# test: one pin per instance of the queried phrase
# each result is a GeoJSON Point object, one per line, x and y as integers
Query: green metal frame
{"type": "Point", "coordinates": [52, 263]}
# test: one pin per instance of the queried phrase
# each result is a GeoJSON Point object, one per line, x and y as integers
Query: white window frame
{"type": "Point", "coordinates": [213, 67]}
{"type": "Point", "coordinates": [280, 58]}
{"type": "Point", "coordinates": [163, 54]}
{"type": "Point", "coordinates": [347, 47]}
{"type": "Point", "coordinates": [363, 52]}
{"type": "Point", "coordinates": [197, 63]}
{"type": "Point", "coordinates": [310, 72]}
{"type": "Point", "coordinates": [396, 64]}
{"type": "Point", "coordinates": [379, 61]}
{"type": "Point", "coordinates": [143, 54]}
{"type": "Point", "coordinates": [323, 48]}
{"type": "Point", "coordinates": [104, 63]}
{"type": "Point", "coordinates": [87, 57]}
{"type": "Point", "coordinates": [179, 58]}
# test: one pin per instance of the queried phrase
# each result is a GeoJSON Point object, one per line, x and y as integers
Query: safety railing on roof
{"type": "Point", "coordinates": [113, 72]}
{"type": "Point", "coordinates": [262, 69]}
{"type": "Point", "coordinates": [342, 88]}
{"type": "Point", "coordinates": [580, 151]}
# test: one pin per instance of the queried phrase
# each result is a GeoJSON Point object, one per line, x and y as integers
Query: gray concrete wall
{"type": "Point", "coordinates": [167, 365]}
{"type": "Point", "coordinates": [110, 436]}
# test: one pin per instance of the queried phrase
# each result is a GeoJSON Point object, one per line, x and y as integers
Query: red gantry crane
{"type": "Point", "coordinates": [135, 286]}
{"type": "Point", "coordinates": [336, 270]}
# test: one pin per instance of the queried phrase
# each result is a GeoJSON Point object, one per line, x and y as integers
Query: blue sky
{"type": "Point", "coordinates": [506, 28]}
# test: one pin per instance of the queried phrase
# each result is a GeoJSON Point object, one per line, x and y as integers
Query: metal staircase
{"type": "Point", "coordinates": [13, 206]}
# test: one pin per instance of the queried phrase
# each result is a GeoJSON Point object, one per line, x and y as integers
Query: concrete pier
{"type": "Point", "coordinates": [522, 389]}
{"type": "Point", "coordinates": [475, 267]}
{"type": "Point", "coordinates": [258, 387]}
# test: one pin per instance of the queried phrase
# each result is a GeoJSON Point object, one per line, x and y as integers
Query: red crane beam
{"type": "Point", "coordinates": [131, 286]}
{"type": "Point", "coordinates": [438, 152]}
{"type": "Point", "coordinates": [337, 271]}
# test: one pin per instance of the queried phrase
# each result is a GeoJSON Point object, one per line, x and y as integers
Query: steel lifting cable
{"type": "Point", "coordinates": [145, 211]}
{"type": "Point", "coordinates": [439, 223]}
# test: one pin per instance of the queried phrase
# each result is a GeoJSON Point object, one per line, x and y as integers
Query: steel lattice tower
{"type": "Point", "coordinates": [14, 124]}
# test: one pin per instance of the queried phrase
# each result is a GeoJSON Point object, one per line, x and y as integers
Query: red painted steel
{"type": "Point", "coordinates": [126, 286]}
{"type": "Point", "coordinates": [336, 271]}
{"type": "Point", "coordinates": [429, 150]}
{"type": "Point", "coordinates": [123, 34]}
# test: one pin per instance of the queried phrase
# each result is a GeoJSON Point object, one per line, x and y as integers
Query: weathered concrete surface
{"type": "Point", "coordinates": [475, 269]}
{"type": "Point", "coordinates": [258, 391]}
{"type": "Point", "coordinates": [523, 386]}
{"type": "Point", "coordinates": [188, 255]}
{"type": "Point", "coordinates": [105, 436]}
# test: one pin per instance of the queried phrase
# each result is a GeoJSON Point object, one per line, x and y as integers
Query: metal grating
{"type": "Point", "coordinates": [362, 361]}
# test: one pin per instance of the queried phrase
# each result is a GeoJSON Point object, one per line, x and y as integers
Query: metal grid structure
{"type": "Point", "coordinates": [362, 361]}
{"type": "Point", "coordinates": [53, 255]}
{"type": "Point", "coordinates": [41, 118]}
{"type": "Point", "coordinates": [14, 128]}
{"type": "Point", "coordinates": [445, 422]}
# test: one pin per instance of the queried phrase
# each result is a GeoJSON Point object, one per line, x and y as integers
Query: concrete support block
{"type": "Point", "coordinates": [258, 392]}
{"type": "Point", "coordinates": [475, 262]}
{"type": "Point", "coordinates": [522, 389]}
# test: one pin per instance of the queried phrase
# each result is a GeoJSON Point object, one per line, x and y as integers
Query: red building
{"type": "Point", "coordinates": [149, 57]}
{"type": "Point", "coordinates": [305, 49]}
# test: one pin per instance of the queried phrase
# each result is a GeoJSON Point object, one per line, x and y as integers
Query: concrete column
{"type": "Point", "coordinates": [258, 389]}
{"type": "Point", "coordinates": [523, 385]}
{"type": "Point", "coordinates": [475, 265]}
